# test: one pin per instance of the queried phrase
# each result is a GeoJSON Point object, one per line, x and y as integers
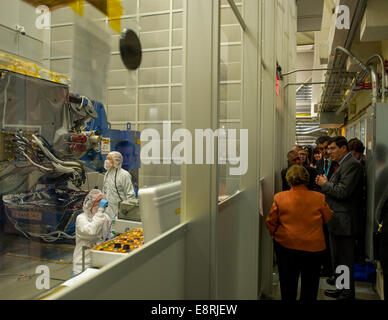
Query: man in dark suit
{"type": "Point", "coordinates": [343, 194]}
{"type": "Point", "coordinates": [293, 158]}
{"type": "Point", "coordinates": [326, 166]}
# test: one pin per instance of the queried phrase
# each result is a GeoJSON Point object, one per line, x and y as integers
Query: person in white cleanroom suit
{"type": "Point", "coordinates": [117, 183]}
{"type": "Point", "coordinates": [91, 228]}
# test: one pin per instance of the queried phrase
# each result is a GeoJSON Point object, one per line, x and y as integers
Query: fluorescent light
{"type": "Point", "coordinates": [307, 47]}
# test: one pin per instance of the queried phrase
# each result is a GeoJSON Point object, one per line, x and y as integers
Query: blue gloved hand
{"type": "Point", "coordinates": [103, 203]}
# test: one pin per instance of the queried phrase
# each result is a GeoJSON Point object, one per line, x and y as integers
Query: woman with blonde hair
{"type": "Point", "coordinates": [295, 221]}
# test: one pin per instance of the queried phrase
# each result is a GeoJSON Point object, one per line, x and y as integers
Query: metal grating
{"type": "Point", "coordinates": [305, 92]}
{"type": "Point", "coordinates": [303, 100]}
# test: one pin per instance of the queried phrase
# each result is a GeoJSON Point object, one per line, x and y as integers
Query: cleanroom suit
{"type": "Point", "coordinates": [91, 228]}
{"type": "Point", "coordinates": [117, 183]}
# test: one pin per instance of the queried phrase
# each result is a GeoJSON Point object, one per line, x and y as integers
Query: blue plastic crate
{"type": "Point", "coordinates": [366, 273]}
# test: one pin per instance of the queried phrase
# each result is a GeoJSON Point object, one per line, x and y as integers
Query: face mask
{"type": "Point", "coordinates": [107, 165]}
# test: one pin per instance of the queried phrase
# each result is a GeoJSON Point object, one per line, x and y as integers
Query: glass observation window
{"type": "Point", "coordinates": [79, 80]}
{"type": "Point", "coordinates": [230, 95]}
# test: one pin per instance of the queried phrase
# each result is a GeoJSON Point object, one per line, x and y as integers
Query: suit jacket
{"type": "Point", "coordinates": [296, 218]}
{"type": "Point", "coordinates": [311, 186]}
{"type": "Point", "coordinates": [320, 166]}
{"type": "Point", "coordinates": [285, 185]}
{"type": "Point", "coordinates": [344, 195]}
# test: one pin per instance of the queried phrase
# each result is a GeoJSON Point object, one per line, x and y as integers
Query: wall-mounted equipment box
{"type": "Point", "coordinates": [331, 120]}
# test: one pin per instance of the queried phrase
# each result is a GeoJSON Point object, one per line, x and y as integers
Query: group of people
{"type": "Point", "coordinates": [99, 209]}
{"type": "Point", "coordinates": [318, 221]}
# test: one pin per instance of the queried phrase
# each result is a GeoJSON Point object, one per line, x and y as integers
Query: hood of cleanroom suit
{"type": "Point", "coordinates": [117, 185]}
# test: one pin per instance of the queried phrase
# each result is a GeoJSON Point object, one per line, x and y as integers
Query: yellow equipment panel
{"type": "Point", "coordinates": [19, 65]}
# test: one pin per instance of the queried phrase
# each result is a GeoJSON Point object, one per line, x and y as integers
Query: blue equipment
{"type": "Point", "coordinates": [126, 142]}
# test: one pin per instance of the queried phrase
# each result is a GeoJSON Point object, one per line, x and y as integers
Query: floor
{"type": "Point", "coordinates": [364, 290]}
{"type": "Point", "coordinates": [19, 258]}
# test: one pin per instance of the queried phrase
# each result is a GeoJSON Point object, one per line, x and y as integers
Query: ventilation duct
{"type": "Point", "coordinates": [331, 120]}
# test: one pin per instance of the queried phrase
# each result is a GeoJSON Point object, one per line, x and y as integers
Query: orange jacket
{"type": "Point", "coordinates": [296, 218]}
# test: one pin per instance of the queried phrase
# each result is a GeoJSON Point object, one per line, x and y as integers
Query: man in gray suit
{"type": "Point", "coordinates": [344, 195]}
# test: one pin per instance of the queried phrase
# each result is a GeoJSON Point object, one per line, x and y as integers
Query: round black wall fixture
{"type": "Point", "coordinates": [130, 49]}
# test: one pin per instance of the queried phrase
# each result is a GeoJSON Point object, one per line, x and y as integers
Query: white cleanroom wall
{"type": "Point", "coordinates": [33, 44]}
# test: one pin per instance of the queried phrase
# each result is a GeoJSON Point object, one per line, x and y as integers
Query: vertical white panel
{"type": "Point", "coordinates": [267, 143]}
{"type": "Point", "coordinates": [199, 187]}
{"type": "Point", "coordinates": [238, 235]}
{"type": "Point", "coordinates": [292, 46]}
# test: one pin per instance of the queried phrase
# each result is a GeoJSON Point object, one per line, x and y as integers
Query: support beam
{"type": "Point", "coordinates": [237, 14]}
{"type": "Point", "coordinates": [199, 182]}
